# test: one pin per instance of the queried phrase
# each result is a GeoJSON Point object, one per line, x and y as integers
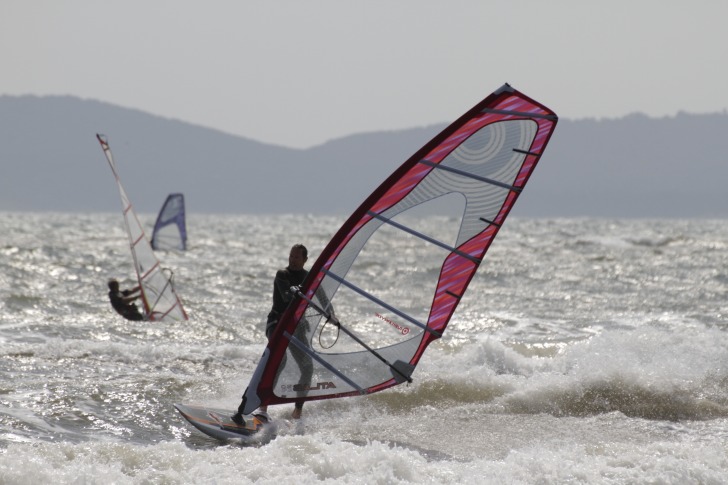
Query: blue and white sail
{"type": "Point", "coordinates": [170, 230]}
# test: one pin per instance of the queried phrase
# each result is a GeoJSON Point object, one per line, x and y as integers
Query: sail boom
{"type": "Point", "coordinates": [353, 336]}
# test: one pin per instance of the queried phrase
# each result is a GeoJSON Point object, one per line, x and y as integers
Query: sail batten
{"type": "Point", "coordinates": [471, 175]}
{"type": "Point", "coordinates": [474, 170]}
{"type": "Point", "coordinates": [158, 296]}
{"type": "Point", "coordinates": [420, 235]}
{"type": "Point", "coordinates": [520, 113]}
{"type": "Point", "coordinates": [526, 152]}
{"type": "Point", "coordinates": [489, 221]}
{"type": "Point", "coordinates": [379, 302]}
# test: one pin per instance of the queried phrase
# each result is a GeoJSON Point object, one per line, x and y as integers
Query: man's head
{"type": "Point", "coordinates": [297, 257]}
{"type": "Point", "coordinates": [113, 284]}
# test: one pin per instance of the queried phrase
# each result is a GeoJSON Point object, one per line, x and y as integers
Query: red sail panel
{"type": "Point", "coordinates": [472, 172]}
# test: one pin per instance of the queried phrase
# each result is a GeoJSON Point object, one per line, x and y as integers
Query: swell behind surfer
{"type": "Point", "coordinates": [123, 300]}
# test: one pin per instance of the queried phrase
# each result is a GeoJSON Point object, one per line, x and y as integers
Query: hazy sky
{"type": "Point", "coordinates": [298, 73]}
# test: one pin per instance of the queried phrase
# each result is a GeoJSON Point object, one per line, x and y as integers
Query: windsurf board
{"type": "Point", "coordinates": [218, 423]}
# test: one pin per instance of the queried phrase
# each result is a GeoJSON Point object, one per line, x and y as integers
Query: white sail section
{"type": "Point", "coordinates": [160, 301]}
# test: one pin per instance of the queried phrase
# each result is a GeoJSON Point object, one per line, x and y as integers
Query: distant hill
{"type": "Point", "coordinates": [629, 167]}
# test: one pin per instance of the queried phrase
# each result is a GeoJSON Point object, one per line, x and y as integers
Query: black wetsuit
{"type": "Point", "coordinates": [126, 310]}
{"type": "Point", "coordinates": [282, 296]}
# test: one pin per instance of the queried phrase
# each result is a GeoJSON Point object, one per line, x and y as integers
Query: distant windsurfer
{"type": "Point", "coordinates": [292, 275]}
{"type": "Point", "coordinates": [123, 300]}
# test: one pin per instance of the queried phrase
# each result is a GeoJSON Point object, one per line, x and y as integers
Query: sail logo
{"type": "Point", "coordinates": [320, 386]}
{"type": "Point", "coordinates": [403, 330]}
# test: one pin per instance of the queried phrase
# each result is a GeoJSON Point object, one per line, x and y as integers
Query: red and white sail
{"type": "Point", "coordinates": [474, 170]}
{"type": "Point", "coordinates": [159, 299]}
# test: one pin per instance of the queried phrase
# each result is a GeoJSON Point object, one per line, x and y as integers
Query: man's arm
{"type": "Point", "coordinates": [131, 291]}
{"type": "Point", "coordinates": [282, 287]}
{"type": "Point", "coordinates": [131, 295]}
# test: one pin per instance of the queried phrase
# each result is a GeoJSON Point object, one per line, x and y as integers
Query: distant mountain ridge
{"type": "Point", "coordinates": [629, 167]}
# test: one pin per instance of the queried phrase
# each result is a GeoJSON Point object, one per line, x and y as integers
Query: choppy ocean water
{"type": "Point", "coordinates": [585, 351]}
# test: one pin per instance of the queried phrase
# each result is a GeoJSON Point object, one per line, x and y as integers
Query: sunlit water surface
{"type": "Point", "coordinates": [585, 351]}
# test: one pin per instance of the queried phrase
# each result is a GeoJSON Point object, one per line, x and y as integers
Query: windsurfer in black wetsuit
{"type": "Point", "coordinates": [292, 275]}
{"type": "Point", "coordinates": [122, 301]}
